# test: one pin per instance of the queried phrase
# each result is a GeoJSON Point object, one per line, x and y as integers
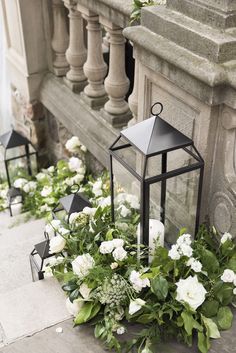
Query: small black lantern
{"type": "Point", "coordinates": [12, 141]}
{"type": "Point", "coordinates": [162, 166]}
{"type": "Point", "coordinates": [69, 204]}
{"type": "Point", "coordinates": [15, 201]}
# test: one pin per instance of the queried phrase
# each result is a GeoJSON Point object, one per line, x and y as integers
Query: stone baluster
{"type": "Point", "coordinates": [116, 110]}
{"type": "Point", "coordinates": [60, 38]}
{"type": "Point", "coordinates": [95, 68]}
{"type": "Point", "coordinates": [76, 54]}
{"type": "Point", "coordinates": [133, 98]}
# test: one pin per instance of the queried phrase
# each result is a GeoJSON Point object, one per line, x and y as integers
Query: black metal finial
{"type": "Point", "coordinates": [154, 105]}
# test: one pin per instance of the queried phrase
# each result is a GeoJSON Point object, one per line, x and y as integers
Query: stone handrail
{"type": "Point", "coordinates": [102, 87]}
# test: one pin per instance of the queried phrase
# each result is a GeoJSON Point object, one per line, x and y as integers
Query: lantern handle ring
{"type": "Point", "coordinates": [76, 189]}
{"type": "Point", "coordinates": [154, 105]}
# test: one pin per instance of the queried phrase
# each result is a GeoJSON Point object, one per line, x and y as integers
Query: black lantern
{"type": "Point", "coordinates": [70, 204]}
{"type": "Point", "coordinates": [15, 201]}
{"type": "Point", "coordinates": [162, 166]}
{"type": "Point", "coordinates": [12, 141]}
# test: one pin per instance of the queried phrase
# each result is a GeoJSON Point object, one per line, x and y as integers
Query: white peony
{"type": "Point", "coordinates": [47, 190]}
{"type": "Point", "coordinates": [114, 265]}
{"type": "Point", "coordinates": [97, 188]}
{"type": "Point", "coordinates": [124, 211]}
{"type": "Point", "coordinates": [19, 183]}
{"type": "Point", "coordinates": [136, 305]}
{"type": "Point", "coordinates": [228, 276]}
{"type": "Point", "coordinates": [174, 253]}
{"type": "Point", "coordinates": [75, 164]}
{"type": "Point", "coordinates": [195, 265]}
{"type": "Point", "coordinates": [56, 244]}
{"type": "Point", "coordinates": [82, 265]}
{"type": "Point", "coordinates": [73, 144]}
{"type": "Point", "coordinates": [191, 291]}
{"type": "Point", "coordinates": [89, 211]}
{"type": "Point", "coordinates": [85, 291]}
{"type": "Point", "coordinates": [106, 247]}
{"type": "Point", "coordinates": [138, 283]}
{"type": "Point", "coordinates": [118, 243]}
{"type": "Point", "coordinates": [75, 307]}
{"type": "Point", "coordinates": [119, 254]}
{"type": "Point", "coordinates": [225, 237]}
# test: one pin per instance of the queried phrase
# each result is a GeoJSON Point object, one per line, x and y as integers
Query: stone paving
{"type": "Point", "coordinates": [30, 312]}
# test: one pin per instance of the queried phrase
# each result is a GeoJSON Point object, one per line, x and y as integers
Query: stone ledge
{"type": "Point", "coordinates": [94, 132]}
{"type": "Point", "coordinates": [118, 11]}
{"type": "Point", "coordinates": [211, 43]}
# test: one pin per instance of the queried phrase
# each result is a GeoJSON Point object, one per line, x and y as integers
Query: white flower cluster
{"type": "Point", "coordinates": [115, 247]}
{"type": "Point", "coordinates": [47, 190]}
{"type": "Point", "coordinates": [229, 276]}
{"type": "Point", "coordinates": [104, 201]}
{"type": "Point", "coordinates": [191, 291]}
{"type": "Point", "coordinates": [195, 265]}
{"type": "Point", "coordinates": [82, 265]}
{"type": "Point", "coordinates": [138, 283]}
{"type": "Point", "coordinates": [74, 145]}
{"type": "Point", "coordinates": [181, 248]}
{"type": "Point", "coordinates": [20, 182]}
{"type": "Point", "coordinates": [97, 188]}
{"type": "Point", "coordinates": [225, 237]}
{"type": "Point", "coordinates": [76, 165]}
{"type": "Point", "coordinates": [113, 291]}
{"type": "Point", "coordinates": [30, 187]}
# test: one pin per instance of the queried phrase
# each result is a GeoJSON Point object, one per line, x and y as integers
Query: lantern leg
{"type": "Point", "coordinates": [10, 210]}
{"type": "Point", "coordinates": [163, 188]}
{"type": "Point", "coordinates": [8, 176]}
{"type": "Point", "coordinates": [112, 190]}
{"type": "Point", "coordinates": [144, 221]}
{"type": "Point", "coordinates": [200, 185]}
{"type": "Point", "coordinates": [28, 159]}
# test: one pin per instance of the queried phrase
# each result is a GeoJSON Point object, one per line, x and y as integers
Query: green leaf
{"type": "Point", "coordinates": [99, 329]}
{"type": "Point", "coordinates": [209, 261]}
{"type": "Point", "coordinates": [203, 343]}
{"type": "Point", "coordinates": [69, 287]}
{"type": "Point", "coordinates": [144, 319]}
{"type": "Point", "coordinates": [224, 318]}
{"type": "Point", "coordinates": [159, 287]}
{"type": "Point", "coordinates": [224, 293]}
{"type": "Point", "coordinates": [212, 329]}
{"type": "Point", "coordinates": [232, 264]}
{"type": "Point", "coordinates": [210, 308]}
{"type": "Point", "coordinates": [87, 312]}
{"type": "Point", "coordinates": [190, 323]}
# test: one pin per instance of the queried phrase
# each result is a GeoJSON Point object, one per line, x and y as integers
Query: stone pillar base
{"type": "Point", "coordinates": [75, 87]}
{"type": "Point", "coordinates": [95, 103]}
{"type": "Point", "coordinates": [117, 121]}
{"type": "Point", "coordinates": [60, 71]}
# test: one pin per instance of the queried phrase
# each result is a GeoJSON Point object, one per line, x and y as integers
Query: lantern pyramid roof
{"type": "Point", "coordinates": [74, 203]}
{"type": "Point", "coordinates": [155, 136]}
{"type": "Point", "coordinates": [13, 139]}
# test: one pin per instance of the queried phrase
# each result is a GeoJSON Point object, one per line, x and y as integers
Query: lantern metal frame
{"type": "Point", "coordinates": [13, 139]}
{"type": "Point", "coordinates": [134, 137]}
{"type": "Point", "coordinates": [11, 195]}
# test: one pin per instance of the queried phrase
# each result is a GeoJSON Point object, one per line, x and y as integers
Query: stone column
{"type": "Point", "coordinates": [95, 68]}
{"type": "Point", "coordinates": [116, 110]}
{"type": "Point", "coordinates": [60, 38]}
{"type": "Point", "coordinates": [133, 98]}
{"type": "Point", "coordinates": [76, 54]}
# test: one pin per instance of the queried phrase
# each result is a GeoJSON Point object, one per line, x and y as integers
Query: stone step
{"type": "Point", "coordinates": [31, 308]}
{"type": "Point", "coordinates": [215, 45]}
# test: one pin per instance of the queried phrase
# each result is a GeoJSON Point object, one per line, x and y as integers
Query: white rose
{"type": "Point", "coordinates": [104, 201]}
{"type": "Point", "coordinates": [136, 305]}
{"type": "Point", "coordinates": [47, 190]}
{"type": "Point", "coordinates": [191, 291]}
{"type": "Point", "coordinates": [138, 283]}
{"type": "Point", "coordinates": [195, 265]}
{"type": "Point", "coordinates": [120, 330]}
{"type": "Point", "coordinates": [75, 307]}
{"type": "Point", "coordinates": [228, 276]}
{"type": "Point", "coordinates": [174, 253]}
{"type": "Point", "coordinates": [56, 244]}
{"type": "Point", "coordinates": [106, 247]}
{"type": "Point", "coordinates": [124, 211]}
{"type": "Point", "coordinates": [89, 211]}
{"type": "Point", "coordinates": [72, 144]}
{"type": "Point", "coordinates": [85, 291]}
{"type": "Point", "coordinates": [186, 250]}
{"type": "Point", "coordinates": [225, 237]}
{"type": "Point", "coordinates": [19, 183]}
{"type": "Point", "coordinates": [114, 265]}
{"type": "Point", "coordinates": [75, 164]}
{"type": "Point", "coordinates": [63, 231]}
{"type": "Point", "coordinates": [119, 254]}
{"type": "Point", "coordinates": [82, 265]}
{"type": "Point", "coordinates": [118, 243]}
{"type": "Point", "coordinates": [97, 188]}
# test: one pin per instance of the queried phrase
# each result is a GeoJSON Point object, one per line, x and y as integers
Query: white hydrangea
{"type": "Point", "coordinates": [82, 265]}
{"type": "Point", "coordinates": [184, 239]}
{"type": "Point", "coordinates": [20, 182]}
{"type": "Point", "coordinates": [225, 237]}
{"type": "Point", "coordinates": [47, 190]}
{"type": "Point", "coordinates": [75, 165]}
{"type": "Point", "coordinates": [119, 254]}
{"type": "Point", "coordinates": [181, 248]}
{"type": "Point", "coordinates": [228, 276]}
{"type": "Point", "coordinates": [195, 265]}
{"type": "Point", "coordinates": [73, 144]}
{"type": "Point", "coordinates": [136, 305]}
{"type": "Point", "coordinates": [97, 188]}
{"type": "Point", "coordinates": [138, 283]}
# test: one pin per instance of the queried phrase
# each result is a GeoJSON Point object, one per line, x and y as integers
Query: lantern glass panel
{"type": "Point", "coordinates": [126, 195]}
{"type": "Point", "coordinates": [61, 214]}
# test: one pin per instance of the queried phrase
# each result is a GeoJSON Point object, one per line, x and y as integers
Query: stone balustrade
{"type": "Point", "coordinates": [78, 55]}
